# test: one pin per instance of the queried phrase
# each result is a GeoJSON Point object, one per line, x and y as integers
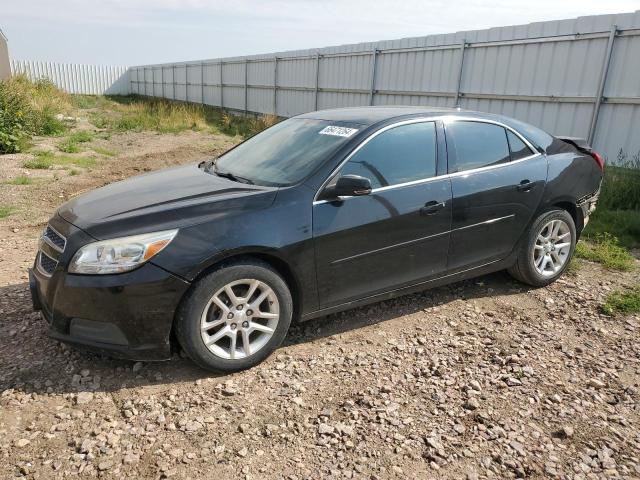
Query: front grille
{"type": "Point", "coordinates": [54, 239]}
{"type": "Point", "coordinates": [46, 263]}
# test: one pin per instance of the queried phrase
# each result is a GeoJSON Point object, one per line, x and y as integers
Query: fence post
{"type": "Point", "coordinates": [173, 81]}
{"type": "Point", "coordinates": [144, 76]}
{"type": "Point", "coordinates": [186, 82]}
{"type": "Point", "coordinates": [202, 83]}
{"type": "Point", "coordinates": [275, 86]}
{"type": "Point", "coordinates": [246, 85]}
{"type": "Point", "coordinates": [317, 79]}
{"type": "Point", "coordinates": [221, 87]}
{"type": "Point", "coordinates": [162, 79]}
{"type": "Point", "coordinates": [603, 80]}
{"type": "Point", "coordinates": [463, 46]}
{"type": "Point", "coordinates": [374, 61]}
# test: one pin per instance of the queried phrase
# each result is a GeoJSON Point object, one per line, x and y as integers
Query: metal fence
{"type": "Point", "coordinates": [76, 78]}
{"type": "Point", "coordinates": [578, 77]}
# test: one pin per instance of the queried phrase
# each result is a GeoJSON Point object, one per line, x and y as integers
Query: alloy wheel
{"type": "Point", "coordinates": [239, 319]}
{"type": "Point", "coordinates": [552, 248]}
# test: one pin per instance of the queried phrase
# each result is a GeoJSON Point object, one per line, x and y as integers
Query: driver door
{"type": "Point", "coordinates": [395, 236]}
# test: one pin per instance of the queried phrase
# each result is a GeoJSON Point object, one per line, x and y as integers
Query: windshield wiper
{"type": "Point", "coordinates": [210, 166]}
{"type": "Point", "coordinates": [231, 176]}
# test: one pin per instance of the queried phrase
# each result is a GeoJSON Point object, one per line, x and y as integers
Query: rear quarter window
{"type": "Point", "coordinates": [518, 148]}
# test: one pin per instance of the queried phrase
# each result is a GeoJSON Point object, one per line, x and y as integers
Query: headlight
{"type": "Point", "coordinates": [119, 254]}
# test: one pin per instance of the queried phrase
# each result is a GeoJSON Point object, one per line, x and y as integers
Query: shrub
{"type": "Point", "coordinates": [29, 108]}
{"type": "Point", "coordinates": [620, 189]}
{"type": "Point", "coordinates": [68, 146]}
{"type": "Point", "coordinates": [42, 160]}
{"type": "Point", "coordinates": [626, 302]}
{"type": "Point", "coordinates": [623, 224]}
{"type": "Point", "coordinates": [81, 136]}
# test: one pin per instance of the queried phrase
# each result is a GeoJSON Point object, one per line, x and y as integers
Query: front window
{"type": "Point", "coordinates": [401, 154]}
{"type": "Point", "coordinates": [285, 153]}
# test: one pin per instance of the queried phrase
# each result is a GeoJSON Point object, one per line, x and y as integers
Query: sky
{"type": "Point", "coordinates": [135, 32]}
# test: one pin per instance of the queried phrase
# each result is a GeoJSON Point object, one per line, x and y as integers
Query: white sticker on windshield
{"type": "Point", "coordinates": [338, 131]}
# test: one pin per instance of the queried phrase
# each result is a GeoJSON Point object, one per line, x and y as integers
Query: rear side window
{"type": "Point", "coordinates": [477, 144]}
{"type": "Point", "coordinates": [401, 154]}
{"type": "Point", "coordinates": [518, 148]}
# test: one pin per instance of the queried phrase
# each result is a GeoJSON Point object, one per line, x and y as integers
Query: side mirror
{"type": "Point", "coordinates": [348, 186]}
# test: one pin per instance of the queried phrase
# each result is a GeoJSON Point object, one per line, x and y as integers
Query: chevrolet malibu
{"type": "Point", "coordinates": [322, 212]}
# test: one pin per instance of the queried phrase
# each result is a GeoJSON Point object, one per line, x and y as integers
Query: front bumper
{"type": "Point", "coordinates": [128, 315]}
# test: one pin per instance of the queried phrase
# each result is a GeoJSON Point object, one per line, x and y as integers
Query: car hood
{"type": "Point", "coordinates": [169, 198]}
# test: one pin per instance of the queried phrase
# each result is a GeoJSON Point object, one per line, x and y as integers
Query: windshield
{"type": "Point", "coordinates": [285, 153]}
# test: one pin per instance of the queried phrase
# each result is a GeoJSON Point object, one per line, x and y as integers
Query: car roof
{"type": "Point", "coordinates": [368, 116]}
{"type": "Point", "coordinates": [373, 115]}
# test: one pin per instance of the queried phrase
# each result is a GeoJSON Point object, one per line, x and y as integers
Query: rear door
{"type": "Point", "coordinates": [497, 180]}
{"type": "Point", "coordinates": [398, 234]}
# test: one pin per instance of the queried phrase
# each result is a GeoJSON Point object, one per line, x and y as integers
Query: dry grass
{"type": "Point", "coordinates": [135, 113]}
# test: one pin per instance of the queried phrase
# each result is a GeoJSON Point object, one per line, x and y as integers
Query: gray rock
{"type": "Point", "coordinates": [83, 398]}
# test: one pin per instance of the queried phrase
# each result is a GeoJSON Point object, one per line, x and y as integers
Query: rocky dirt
{"type": "Point", "coordinates": [480, 379]}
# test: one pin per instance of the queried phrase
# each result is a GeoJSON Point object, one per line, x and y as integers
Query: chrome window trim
{"type": "Point", "coordinates": [362, 144]}
{"type": "Point", "coordinates": [445, 119]}
{"type": "Point", "coordinates": [450, 119]}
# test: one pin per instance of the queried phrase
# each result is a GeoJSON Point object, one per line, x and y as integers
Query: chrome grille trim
{"type": "Point", "coordinates": [54, 239]}
{"type": "Point", "coordinates": [46, 264]}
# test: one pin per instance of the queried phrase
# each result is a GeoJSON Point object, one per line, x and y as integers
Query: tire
{"type": "Point", "coordinates": [241, 318]}
{"type": "Point", "coordinates": [533, 249]}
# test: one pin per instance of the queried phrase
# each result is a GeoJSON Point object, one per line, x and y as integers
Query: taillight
{"type": "Point", "coordinates": [599, 160]}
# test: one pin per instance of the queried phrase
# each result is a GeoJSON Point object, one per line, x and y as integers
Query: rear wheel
{"type": "Point", "coordinates": [547, 249]}
{"type": "Point", "coordinates": [235, 316]}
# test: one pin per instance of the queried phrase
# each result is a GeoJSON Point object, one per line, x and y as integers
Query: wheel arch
{"type": "Point", "coordinates": [269, 256]}
{"type": "Point", "coordinates": [573, 210]}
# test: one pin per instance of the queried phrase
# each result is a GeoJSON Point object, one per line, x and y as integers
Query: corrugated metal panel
{"type": "Point", "coordinates": [76, 78]}
{"type": "Point", "coordinates": [545, 73]}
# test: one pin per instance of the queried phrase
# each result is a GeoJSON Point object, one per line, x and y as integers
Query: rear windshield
{"type": "Point", "coordinates": [287, 152]}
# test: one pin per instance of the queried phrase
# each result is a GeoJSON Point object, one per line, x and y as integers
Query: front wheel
{"type": "Point", "coordinates": [546, 250]}
{"type": "Point", "coordinates": [235, 316]}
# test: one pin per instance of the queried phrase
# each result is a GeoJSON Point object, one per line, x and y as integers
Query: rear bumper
{"type": "Point", "coordinates": [128, 315]}
{"type": "Point", "coordinates": [588, 204]}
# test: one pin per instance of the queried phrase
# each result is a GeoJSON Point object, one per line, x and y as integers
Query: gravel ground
{"type": "Point", "coordinates": [480, 379]}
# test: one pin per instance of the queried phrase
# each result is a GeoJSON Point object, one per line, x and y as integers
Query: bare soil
{"type": "Point", "coordinates": [480, 379]}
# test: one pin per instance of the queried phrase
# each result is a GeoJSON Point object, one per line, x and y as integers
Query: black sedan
{"type": "Point", "coordinates": [319, 213]}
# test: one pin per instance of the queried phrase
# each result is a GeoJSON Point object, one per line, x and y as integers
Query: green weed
{"type": "Point", "coordinates": [6, 210]}
{"type": "Point", "coordinates": [21, 180]}
{"type": "Point", "coordinates": [625, 302]}
{"type": "Point", "coordinates": [606, 249]}
{"type": "Point", "coordinates": [104, 151]}
{"type": "Point", "coordinates": [68, 146]}
{"type": "Point", "coordinates": [42, 160]}
{"type": "Point", "coordinates": [46, 159]}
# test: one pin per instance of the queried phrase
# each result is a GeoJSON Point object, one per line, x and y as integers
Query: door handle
{"type": "Point", "coordinates": [525, 186]}
{"type": "Point", "coordinates": [431, 207]}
